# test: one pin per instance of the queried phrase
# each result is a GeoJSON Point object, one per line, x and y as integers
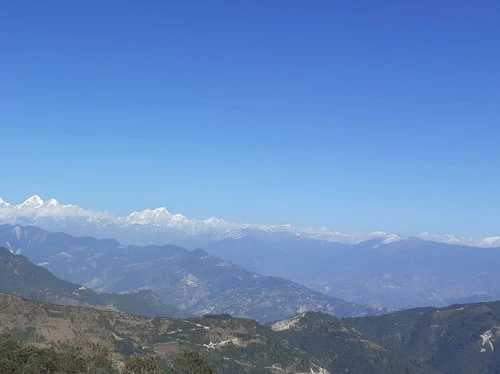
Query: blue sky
{"type": "Point", "coordinates": [353, 115]}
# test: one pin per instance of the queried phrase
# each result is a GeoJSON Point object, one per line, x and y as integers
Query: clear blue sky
{"type": "Point", "coordinates": [350, 114]}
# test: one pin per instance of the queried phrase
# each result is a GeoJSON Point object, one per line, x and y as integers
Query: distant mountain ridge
{"type": "Point", "coordinates": [192, 281]}
{"type": "Point", "coordinates": [393, 272]}
{"type": "Point", "coordinates": [20, 277]}
{"type": "Point", "coordinates": [159, 226]}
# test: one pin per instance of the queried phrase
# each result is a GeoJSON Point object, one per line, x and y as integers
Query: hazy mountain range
{"type": "Point", "coordinates": [398, 273]}
{"type": "Point", "coordinates": [193, 281]}
{"type": "Point", "coordinates": [159, 226]}
{"type": "Point", "coordinates": [379, 269]}
{"type": "Point", "coordinates": [276, 275]}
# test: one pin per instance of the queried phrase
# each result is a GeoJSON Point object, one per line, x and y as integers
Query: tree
{"type": "Point", "coordinates": [143, 364]}
{"type": "Point", "coordinates": [191, 362]}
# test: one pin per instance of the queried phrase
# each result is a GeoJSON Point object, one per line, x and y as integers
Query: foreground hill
{"type": "Point", "coordinates": [231, 345]}
{"type": "Point", "coordinates": [455, 340]}
{"type": "Point", "coordinates": [451, 340]}
{"type": "Point", "coordinates": [19, 276]}
{"type": "Point", "coordinates": [193, 281]}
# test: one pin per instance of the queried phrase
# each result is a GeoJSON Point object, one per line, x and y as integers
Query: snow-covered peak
{"type": "Point", "coordinates": [163, 223]}
{"type": "Point", "coordinates": [160, 210]}
{"type": "Point", "coordinates": [214, 221]}
{"type": "Point", "coordinates": [34, 201]}
{"type": "Point", "coordinates": [156, 216]}
{"type": "Point", "coordinates": [378, 234]}
{"type": "Point", "coordinates": [388, 239]}
{"type": "Point", "coordinates": [34, 209]}
{"type": "Point", "coordinates": [492, 241]}
{"type": "Point", "coordinates": [179, 218]}
{"type": "Point", "coordinates": [51, 202]}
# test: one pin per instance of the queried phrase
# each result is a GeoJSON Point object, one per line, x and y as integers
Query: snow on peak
{"type": "Point", "coordinates": [159, 216]}
{"type": "Point", "coordinates": [388, 239]}
{"type": "Point", "coordinates": [34, 211]}
{"type": "Point", "coordinates": [378, 234]}
{"type": "Point", "coordinates": [392, 238]}
{"type": "Point", "coordinates": [492, 241]}
{"type": "Point", "coordinates": [212, 220]}
{"type": "Point", "coordinates": [52, 202]}
{"type": "Point", "coordinates": [160, 210]}
{"type": "Point", "coordinates": [179, 218]}
{"type": "Point", "coordinates": [34, 201]}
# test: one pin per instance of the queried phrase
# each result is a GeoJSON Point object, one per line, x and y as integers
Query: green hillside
{"type": "Point", "coordinates": [231, 345]}
{"type": "Point", "coordinates": [455, 339]}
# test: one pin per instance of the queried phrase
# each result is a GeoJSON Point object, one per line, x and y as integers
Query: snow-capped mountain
{"type": "Point", "coordinates": [388, 239]}
{"type": "Point", "coordinates": [492, 241]}
{"type": "Point", "coordinates": [4, 204]}
{"type": "Point", "coordinates": [34, 201]}
{"type": "Point", "coordinates": [34, 209]}
{"type": "Point", "coordinates": [159, 226]}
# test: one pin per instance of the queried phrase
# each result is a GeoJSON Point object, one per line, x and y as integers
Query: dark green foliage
{"type": "Point", "coordinates": [143, 364]}
{"type": "Point", "coordinates": [191, 362]}
{"type": "Point", "coordinates": [125, 347]}
{"type": "Point", "coordinates": [447, 340]}
{"type": "Point", "coordinates": [340, 348]}
{"type": "Point", "coordinates": [96, 356]}
{"type": "Point", "coordinates": [16, 358]}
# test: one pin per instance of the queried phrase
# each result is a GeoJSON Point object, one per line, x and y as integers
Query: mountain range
{"type": "Point", "coordinates": [394, 272]}
{"type": "Point", "coordinates": [294, 285]}
{"type": "Point", "coordinates": [159, 226]}
{"type": "Point", "coordinates": [192, 281]}
{"type": "Point", "coordinates": [384, 271]}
